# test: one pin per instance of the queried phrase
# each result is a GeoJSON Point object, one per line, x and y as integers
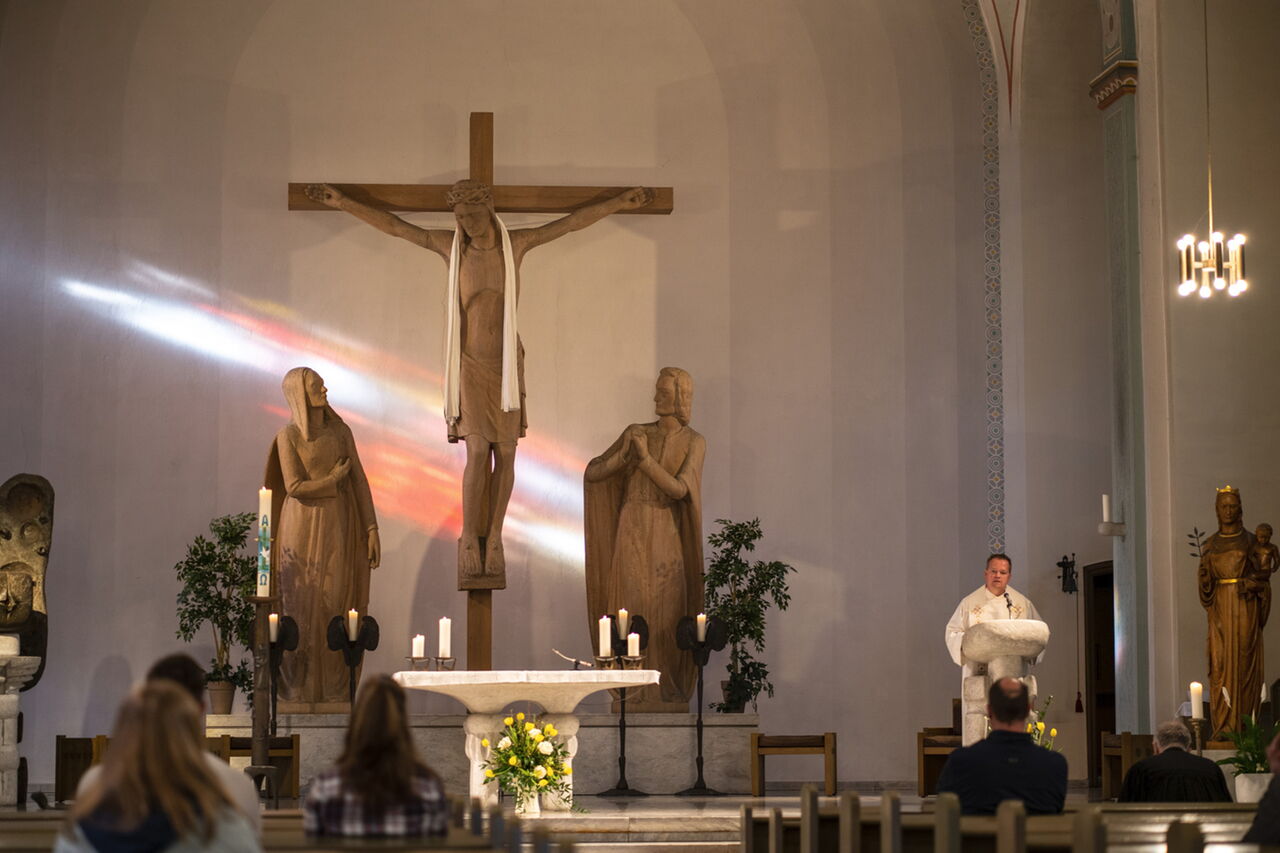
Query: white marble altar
{"type": "Point", "coordinates": [15, 671]}
{"type": "Point", "coordinates": [487, 694]}
{"type": "Point", "coordinates": [1002, 648]}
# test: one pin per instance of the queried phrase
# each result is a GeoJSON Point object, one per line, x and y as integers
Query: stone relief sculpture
{"type": "Point", "coordinates": [1236, 594]}
{"type": "Point", "coordinates": [26, 534]}
{"type": "Point", "coordinates": [484, 362]}
{"type": "Point", "coordinates": [643, 500]}
{"type": "Point", "coordinates": [325, 541]}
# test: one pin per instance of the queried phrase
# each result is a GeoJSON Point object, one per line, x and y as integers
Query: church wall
{"type": "Point", "coordinates": [1065, 343]}
{"type": "Point", "coordinates": [821, 279]}
{"type": "Point", "coordinates": [1220, 355]}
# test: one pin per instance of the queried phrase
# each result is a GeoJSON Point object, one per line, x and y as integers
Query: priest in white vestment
{"type": "Point", "coordinates": [995, 599]}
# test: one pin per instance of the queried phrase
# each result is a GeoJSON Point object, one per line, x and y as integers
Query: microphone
{"type": "Point", "coordinates": [1009, 601]}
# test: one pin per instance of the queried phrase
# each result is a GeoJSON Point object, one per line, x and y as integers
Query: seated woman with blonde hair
{"type": "Point", "coordinates": [156, 791]}
{"type": "Point", "coordinates": [379, 787]}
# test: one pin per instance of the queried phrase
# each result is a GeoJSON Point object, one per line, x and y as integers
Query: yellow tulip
{"type": "Point", "coordinates": [528, 727]}
{"type": "Point", "coordinates": [550, 731]}
{"type": "Point", "coordinates": [513, 761]}
{"type": "Point", "coordinates": [1028, 728]}
{"type": "Point", "coordinates": [568, 771]}
{"type": "Point", "coordinates": [1053, 732]}
{"type": "Point", "coordinates": [484, 741]}
{"type": "Point", "coordinates": [508, 721]}
{"type": "Point", "coordinates": [538, 738]}
{"type": "Point", "coordinates": [489, 773]}
{"type": "Point", "coordinates": [542, 783]}
{"type": "Point", "coordinates": [520, 716]}
{"type": "Point", "coordinates": [1040, 726]}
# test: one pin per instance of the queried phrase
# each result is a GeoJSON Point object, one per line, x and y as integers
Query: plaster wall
{"type": "Point", "coordinates": [821, 279]}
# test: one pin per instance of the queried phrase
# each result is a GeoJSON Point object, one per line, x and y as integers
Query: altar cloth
{"type": "Point", "coordinates": [557, 691]}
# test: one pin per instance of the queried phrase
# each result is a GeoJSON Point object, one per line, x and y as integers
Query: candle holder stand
{"type": "Point", "coordinates": [1196, 725]}
{"type": "Point", "coordinates": [714, 639]}
{"type": "Point", "coordinates": [621, 660]}
{"type": "Point", "coordinates": [286, 641]}
{"type": "Point", "coordinates": [431, 664]}
{"type": "Point", "coordinates": [352, 650]}
{"type": "Point", "coordinates": [260, 769]}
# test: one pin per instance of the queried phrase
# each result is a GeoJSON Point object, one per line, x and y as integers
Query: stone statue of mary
{"type": "Point", "coordinates": [325, 540]}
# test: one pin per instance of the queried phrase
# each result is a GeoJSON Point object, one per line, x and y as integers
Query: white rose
{"type": "Point", "coordinates": [540, 771]}
{"type": "Point", "coordinates": [545, 747]}
{"type": "Point", "coordinates": [505, 743]}
{"type": "Point", "coordinates": [535, 732]}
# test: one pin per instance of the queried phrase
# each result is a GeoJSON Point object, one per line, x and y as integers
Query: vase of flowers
{"type": "Point", "coordinates": [1252, 769]}
{"type": "Point", "coordinates": [1036, 727]}
{"type": "Point", "coordinates": [527, 761]}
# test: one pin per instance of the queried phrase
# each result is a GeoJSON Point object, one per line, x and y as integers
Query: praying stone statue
{"type": "Point", "coordinates": [643, 530]}
{"type": "Point", "coordinates": [1236, 593]}
{"type": "Point", "coordinates": [325, 541]}
{"type": "Point", "coordinates": [484, 358]}
{"type": "Point", "coordinates": [26, 533]}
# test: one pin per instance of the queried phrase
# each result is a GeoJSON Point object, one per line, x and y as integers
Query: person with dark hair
{"type": "Point", "coordinates": [379, 786]}
{"type": "Point", "coordinates": [1008, 765]}
{"type": "Point", "coordinates": [1173, 774]}
{"type": "Point", "coordinates": [156, 791]}
{"type": "Point", "coordinates": [182, 670]}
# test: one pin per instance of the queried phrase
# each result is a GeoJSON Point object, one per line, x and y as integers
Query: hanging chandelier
{"type": "Point", "coordinates": [1220, 265]}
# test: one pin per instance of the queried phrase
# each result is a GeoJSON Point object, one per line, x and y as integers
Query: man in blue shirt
{"type": "Point", "coordinates": [1007, 765]}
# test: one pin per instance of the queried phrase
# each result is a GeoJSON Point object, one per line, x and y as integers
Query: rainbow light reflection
{"type": "Point", "coordinates": [394, 406]}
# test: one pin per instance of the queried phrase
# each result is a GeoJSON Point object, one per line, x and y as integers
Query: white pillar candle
{"type": "Point", "coordinates": [624, 621]}
{"type": "Point", "coordinates": [264, 543]}
{"type": "Point", "coordinates": [633, 644]}
{"type": "Point", "coordinates": [1106, 509]}
{"type": "Point", "coordinates": [1197, 701]}
{"type": "Point", "coordinates": [446, 637]}
{"type": "Point", "coordinates": [702, 627]}
{"type": "Point", "coordinates": [273, 627]}
{"type": "Point", "coordinates": [419, 646]}
{"type": "Point", "coordinates": [353, 625]}
{"type": "Point", "coordinates": [606, 637]}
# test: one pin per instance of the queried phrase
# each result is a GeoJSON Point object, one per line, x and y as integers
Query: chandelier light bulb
{"type": "Point", "coordinates": [1243, 285]}
{"type": "Point", "coordinates": [1205, 292]}
{"type": "Point", "coordinates": [1239, 238]}
{"type": "Point", "coordinates": [1216, 237]}
{"type": "Point", "coordinates": [1204, 249]}
{"type": "Point", "coordinates": [1219, 284]}
{"type": "Point", "coordinates": [1187, 288]}
{"type": "Point", "coordinates": [1234, 290]}
{"type": "Point", "coordinates": [1187, 240]}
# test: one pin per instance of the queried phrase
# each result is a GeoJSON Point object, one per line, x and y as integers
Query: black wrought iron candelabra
{"type": "Point", "coordinates": [621, 660]}
{"type": "Point", "coordinates": [352, 650]}
{"type": "Point", "coordinates": [286, 640]}
{"type": "Point", "coordinates": [713, 638]}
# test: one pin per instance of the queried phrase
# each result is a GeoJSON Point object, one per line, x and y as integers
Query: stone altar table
{"type": "Point", "coordinates": [486, 695]}
{"type": "Point", "coordinates": [15, 671]}
{"type": "Point", "coordinates": [998, 649]}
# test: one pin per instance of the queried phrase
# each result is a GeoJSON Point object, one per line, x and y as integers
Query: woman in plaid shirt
{"type": "Point", "coordinates": [379, 786]}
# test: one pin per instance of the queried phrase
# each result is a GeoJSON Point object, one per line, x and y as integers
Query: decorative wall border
{"type": "Point", "coordinates": [988, 76]}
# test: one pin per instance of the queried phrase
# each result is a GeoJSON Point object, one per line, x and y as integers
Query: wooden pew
{"type": "Point", "coordinates": [1119, 753]}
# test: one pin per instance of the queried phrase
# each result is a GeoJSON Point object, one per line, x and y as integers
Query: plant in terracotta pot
{"type": "Point", "coordinates": [218, 577]}
{"type": "Point", "coordinates": [1252, 770]}
{"type": "Point", "coordinates": [739, 594]}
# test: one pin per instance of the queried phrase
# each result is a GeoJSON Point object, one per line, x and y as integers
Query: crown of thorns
{"type": "Point", "coordinates": [469, 192]}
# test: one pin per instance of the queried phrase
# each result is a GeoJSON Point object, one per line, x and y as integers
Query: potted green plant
{"type": "Point", "coordinates": [739, 594]}
{"type": "Point", "coordinates": [1252, 770]}
{"type": "Point", "coordinates": [217, 578]}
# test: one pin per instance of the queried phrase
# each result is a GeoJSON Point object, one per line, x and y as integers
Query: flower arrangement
{"type": "Point", "coordinates": [1036, 728]}
{"type": "Point", "coordinates": [1251, 746]}
{"type": "Point", "coordinates": [526, 761]}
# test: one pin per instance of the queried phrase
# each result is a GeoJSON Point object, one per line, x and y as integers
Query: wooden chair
{"type": "Point", "coordinates": [72, 757]}
{"type": "Point", "coordinates": [1119, 753]}
{"type": "Point", "coordinates": [762, 745]}
{"type": "Point", "coordinates": [933, 746]}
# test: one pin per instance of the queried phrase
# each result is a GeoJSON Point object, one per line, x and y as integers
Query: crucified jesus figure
{"type": "Point", "coordinates": [484, 370]}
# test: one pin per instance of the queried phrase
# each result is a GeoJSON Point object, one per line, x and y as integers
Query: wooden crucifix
{"type": "Point", "coordinates": [484, 372]}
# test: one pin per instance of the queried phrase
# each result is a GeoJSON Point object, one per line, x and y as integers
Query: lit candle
{"type": "Point", "coordinates": [1106, 509]}
{"type": "Point", "coordinates": [633, 644]}
{"type": "Point", "coordinates": [606, 637]}
{"type": "Point", "coordinates": [353, 625]}
{"type": "Point", "coordinates": [1197, 701]}
{"type": "Point", "coordinates": [624, 621]}
{"type": "Point", "coordinates": [446, 637]}
{"type": "Point", "coordinates": [273, 627]}
{"type": "Point", "coordinates": [264, 543]}
{"type": "Point", "coordinates": [702, 627]}
{"type": "Point", "coordinates": [419, 646]}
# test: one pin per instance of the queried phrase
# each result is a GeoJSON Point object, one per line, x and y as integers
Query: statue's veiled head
{"type": "Point", "coordinates": [472, 205]}
{"type": "Point", "coordinates": [303, 390]}
{"type": "Point", "coordinates": [674, 394]}
{"type": "Point", "coordinates": [1227, 506]}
